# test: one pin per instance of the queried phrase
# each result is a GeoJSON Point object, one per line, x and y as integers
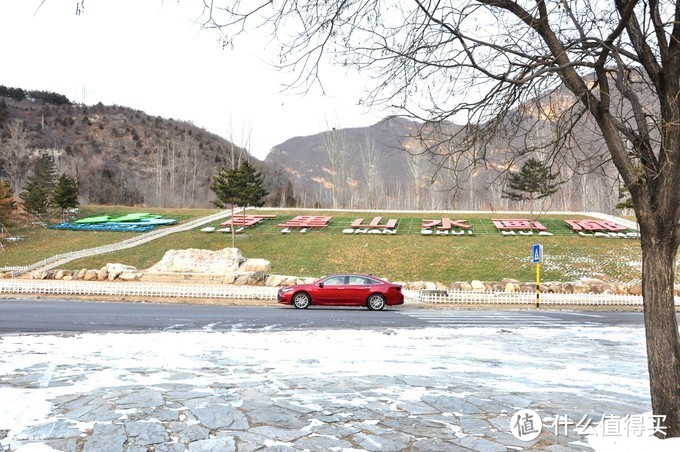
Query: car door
{"type": "Point", "coordinates": [357, 290]}
{"type": "Point", "coordinates": [332, 291]}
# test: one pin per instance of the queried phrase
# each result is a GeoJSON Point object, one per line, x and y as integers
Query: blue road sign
{"type": "Point", "coordinates": [537, 254]}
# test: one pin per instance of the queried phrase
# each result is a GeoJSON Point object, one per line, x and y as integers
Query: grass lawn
{"type": "Point", "coordinates": [39, 243]}
{"type": "Point", "coordinates": [406, 256]}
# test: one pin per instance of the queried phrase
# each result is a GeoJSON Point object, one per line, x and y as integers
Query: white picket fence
{"type": "Point", "coordinates": [529, 298]}
{"type": "Point", "coordinates": [141, 289]}
{"type": "Point", "coordinates": [220, 291]}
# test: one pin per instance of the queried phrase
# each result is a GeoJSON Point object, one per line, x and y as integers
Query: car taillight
{"type": "Point", "coordinates": [398, 288]}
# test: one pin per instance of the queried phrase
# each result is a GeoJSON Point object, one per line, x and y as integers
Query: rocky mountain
{"type": "Point", "coordinates": [402, 164]}
{"type": "Point", "coordinates": [124, 156]}
{"type": "Point", "coordinates": [119, 155]}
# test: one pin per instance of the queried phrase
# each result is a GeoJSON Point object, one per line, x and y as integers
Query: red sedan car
{"type": "Point", "coordinates": [343, 290]}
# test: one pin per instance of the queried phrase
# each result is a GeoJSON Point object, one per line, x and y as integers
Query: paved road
{"type": "Point", "coordinates": [44, 316]}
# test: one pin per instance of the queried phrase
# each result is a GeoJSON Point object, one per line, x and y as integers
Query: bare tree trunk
{"type": "Point", "coordinates": [185, 149]}
{"type": "Point", "coordinates": [370, 158]}
{"type": "Point", "coordinates": [194, 174]}
{"type": "Point", "coordinates": [233, 233]}
{"type": "Point", "coordinates": [661, 327]}
{"type": "Point", "coordinates": [159, 173]}
{"type": "Point", "coordinates": [172, 166]}
{"type": "Point", "coordinates": [14, 154]}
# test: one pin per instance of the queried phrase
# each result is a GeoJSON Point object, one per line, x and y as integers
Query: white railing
{"type": "Point", "coordinates": [141, 289]}
{"type": "Point", "coordinates": [19, 268]}
{"type": "Point", "coordinates": [219, 291]}
{"type": "Point", "coordinates": [529, 298]}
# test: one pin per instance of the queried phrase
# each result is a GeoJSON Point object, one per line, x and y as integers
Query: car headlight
{"type": "Point", "coordinates": [286, 289]}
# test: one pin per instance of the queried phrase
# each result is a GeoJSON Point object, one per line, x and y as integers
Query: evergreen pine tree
{"type": "Point", "coordinates": [227, 186]}
{"type": "Point", "coordinates": [45, 173]}
{"type": "Point", "coordinates": [65, 195]}
{"type": "Point", "coordinates": [242, 187]}
{"type": "Point", "coordinates": [36, 200]}
{"type": "Point", "coordinates": [534, 181]}
{"type": "Point", "coordinates": [253, 192]}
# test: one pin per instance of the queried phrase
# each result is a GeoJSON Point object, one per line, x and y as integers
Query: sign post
{"type": "Point", "coordinates": [537, 258]}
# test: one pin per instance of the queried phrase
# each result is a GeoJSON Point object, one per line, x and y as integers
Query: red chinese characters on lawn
{"type": "Point", "coordinates": [374, 224]}
{"type": "Point", "coordinates": [595, 226]}
{"type": "Point", "coordinates": [518, 225]}
{"type": "Point", "coordinates": [247, 220]}
{"type": "Point", "coordinates": [446, 224]}
{"type": "Point", "coordinates": [307, 221]}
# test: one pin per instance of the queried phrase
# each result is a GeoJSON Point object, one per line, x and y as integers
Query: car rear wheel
{"type": "Point", "coordinates": [301, 300]}
{"type": "Point", "coordinates": [375, 302]}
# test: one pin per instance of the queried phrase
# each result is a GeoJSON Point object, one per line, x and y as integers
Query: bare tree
{"type": "Point", "coordinates": [613, 66]}
{"type": "Point", "coordinates": [171, 166]}
{"type": "Point", "coordinates": [374, 187]}
{"type": "Point", "coordinates": [159, 159]}
{"type": "Point", "coordinates": [14, 154]}
{"type": "Point", "coordinates": [338, 149]}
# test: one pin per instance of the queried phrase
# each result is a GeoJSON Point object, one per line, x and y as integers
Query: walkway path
{"type": "Point", "coordinates": [61, 259]}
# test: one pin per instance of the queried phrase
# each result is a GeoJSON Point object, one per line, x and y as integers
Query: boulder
{"type": "Point", "coordinates": [130, 275]}
{"type": "Point", "coordinates": [274, 281]}
{"type": "Point", "coordinates": [477, 285]}
{"type": "Point", "coordinates": [90, 275]}
{"type": "Point", "coordinates": [102, 274]}
{"type": "Point", "coordinates": [440, 286]}
{"type": "Point", "coordinates": [59, 274]}
{"type": "Point", "coordinates": [581, 288]}
{"type": "Point", "coordinates": [242, 280]}
{"type": "Point", "coordinates": [115, 270]}
{"type": "Point", "coordinates": [510, 287]}
{"type": "Point", "coordinates": [229, 279]}
{"type": "Point", "coordinates": [289, 281]}
{"type": "Point", "coordinates": [259, 277]}
{"type": "Point", "coordinates": [82, 273]}
{"type": "Point", "coordinates": [192, 260]}
{"type": "Point", "coordinates": [255, 265]}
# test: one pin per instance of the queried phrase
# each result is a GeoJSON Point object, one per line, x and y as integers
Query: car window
{"type": "Point", "coordinates": [334, 281]}
{"type": "Point", "coordinates": [359, 280]}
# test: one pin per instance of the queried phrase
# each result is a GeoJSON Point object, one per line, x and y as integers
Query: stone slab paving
{"type": "Point", "coordinates": [424, 390]}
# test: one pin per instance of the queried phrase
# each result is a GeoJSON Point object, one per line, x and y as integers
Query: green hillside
{"type": "Point", "coordinates": [406, 256]}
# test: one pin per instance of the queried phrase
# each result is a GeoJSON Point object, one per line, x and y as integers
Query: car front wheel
{"type": "Point", "coordinates": [376, 302]}
{"type": "Point", "coordinates": [301, 300]}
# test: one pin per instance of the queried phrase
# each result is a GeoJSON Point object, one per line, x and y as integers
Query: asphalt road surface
{"type": "Point", "coordinates": [53, 316]}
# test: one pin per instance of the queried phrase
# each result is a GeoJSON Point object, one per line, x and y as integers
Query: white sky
{"type": "Point", "coordinates": [149, 55]}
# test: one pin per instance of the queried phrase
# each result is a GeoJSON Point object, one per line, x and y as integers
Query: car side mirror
{"type": "Point", "coordinates": [320, 284]}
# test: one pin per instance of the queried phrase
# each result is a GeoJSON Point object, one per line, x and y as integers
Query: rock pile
{"type": "Point", "coordinates": [109, 272]}
{"type": "Point", "coordinates": [587, 285]}
{"type": "Point", "coordinates": [228, 266]}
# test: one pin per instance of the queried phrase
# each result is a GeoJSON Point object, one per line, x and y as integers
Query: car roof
{"type": "Point", "coordinates": [353, 274]}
